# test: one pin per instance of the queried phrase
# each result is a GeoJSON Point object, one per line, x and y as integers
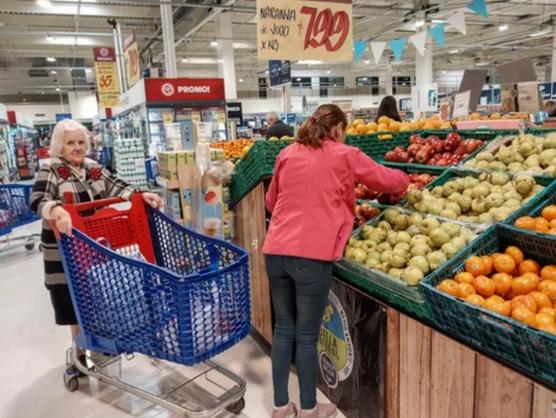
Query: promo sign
{"type": "Point", "coordinates": [177, 90]}
{"type": "Point", "coordinates": [528, 97]}
{"type": "Point", "coordinates": [461, 104]}
{"type": "Point", "coordinates": [280, 72]}
{"type": "Point", "coordinates": [305, 30]}
{"type": "Point", "coordinates": [108, 88]}
{"type": "Point", "coordinates": [131, 56]}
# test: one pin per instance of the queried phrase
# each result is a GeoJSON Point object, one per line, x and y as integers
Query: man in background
{"type": "Point", "coordinates": [277, 128]}
{"type": "Point", "coordinates": [550, 108]}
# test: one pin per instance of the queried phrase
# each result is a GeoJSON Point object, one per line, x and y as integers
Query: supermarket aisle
{"type": "Point", "coordinates": [32, 358]}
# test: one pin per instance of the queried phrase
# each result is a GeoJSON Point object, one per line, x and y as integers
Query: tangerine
{"type": "Point", "coordinates": [464, 277]}
{"type": "Point", "coordinates": [524, 315]}
{"type": "Point", "coordinates": [466, 289]}
{"type": "Point", "coordinates": [484, 286]}
{"type": "Point", "coordinates": [552, 223]}
{"type": "Point", "coordinates": [549, 213]}
{"type": "Point", "coordinates": [548, 287]}
{"type": "Point", "coordinates": [549, 311]}
{"type": "Point", "coordinates": [504, 263]}
{"type": "Point", "coordinates": [384, 119]}
{"type": "Point", "coordinates": [488, 263]}
{"type": "Point", "coordinates": [550, 328]}
{"type": "Point", "coordinates": [552, 231]}
{"type": "Point", "coordinates": [541, 300]}
{"type": "Point", "coordinates": [503, 283]}
{"type": "Point", "coordinates": [503, 308]}
{"type": "Point", "coordinates": [524, 301]}
{"type": "Point", "coordinates": [476, 266]}
{"type": "Point", "coordinates": [549, 272]}
{"type": "Point", "coordinates": [526, 222]}
{"type": "Point", "coordinates": [541, 224]}
{"type": "Point", "coordinates": [529, 266]}
{"type": "Point", "coordinates": [476, 300]}
{"type": "Point", "coordinates": [450, 287]}
{"type": "Point", "coordinates": [523, 285]}
{"type": "Point", "coordinates": [544, 319]}
{"type": "Point", "coordinates": [515, 253]}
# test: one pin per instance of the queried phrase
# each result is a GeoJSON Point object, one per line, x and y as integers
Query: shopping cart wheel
{"type": "Point", "coordinates": [71, 382]}
{"type": "Point", "coordinates": [236, 407]}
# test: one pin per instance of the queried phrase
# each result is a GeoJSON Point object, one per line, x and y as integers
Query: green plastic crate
{"type": "Point", "coordinates": [377, 148]}
{"type": "Point", "coordinates": [538, 131]}
{"type": "Point", "coordinates": [527, 349]}
{"type": "Point", "coordinates": [535, 206]}
{"type": "Point", "coordinates": [434, 170]}
{"type": "Point", "coordinates": [257, 165]}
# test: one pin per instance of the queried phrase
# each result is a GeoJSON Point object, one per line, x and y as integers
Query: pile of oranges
{"type": "Point", "coordinates": [546, 223]}
{"type": "Point", "coordinates": [385, 124]}
{"type": "Point", "coordinates": [509, 285]}
{"type": "Point", "coordinates": [233, 149]}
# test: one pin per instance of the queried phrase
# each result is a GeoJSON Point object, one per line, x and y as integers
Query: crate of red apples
{"type": "Point", "coordinates": [435, 151]}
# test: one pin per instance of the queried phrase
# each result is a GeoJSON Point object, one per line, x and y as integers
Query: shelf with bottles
{"type": "Point", "coordinates": [129, 161]}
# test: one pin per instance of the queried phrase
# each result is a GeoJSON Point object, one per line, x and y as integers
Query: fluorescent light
{"type": "Point", "coordinates": [367, 61]}
{"type": "Point", "coordinates": [502, 28]}
{"type": "Point", "coordinates": [241, 80]}
{"type": "Point", "coordinates": [71, 40]}
{"type": "Point", "coordinates": [57, 88]}
{"type": "Point", "coordinates": [453, 51]}
{"type": "Point", "coordinates": [419, 23]}
{"type": "Point", "coordinates": [214, 43]}
{"type": "Point", "coordinates": [327, 71]}
{"type": "Point", "coordinates": [53, 72]}
{"type": "Point", "coordinates": [51, 59]}
{"type": "Point", "coordinates": [44, 3]}
{"type": "Point", "coordinates": [444, 72]}
{"type": "Point", "coordinates": [364, 79]}
{"type": "Point", "coordinates": [298, 79]}
{"type": "Point", "coordinates": [50, 38]}
{"type": "Point", "coordinates": [241, 45]}
{"type": "Point", "coordinates": [542, 32]}
{"type": "Point", "coordinates": [199, 61]}
{"type": "Point", "coordinates": [88, 70]}
{"type": "Point", "coordinates": [266, 72]}
{"type": "Point", "coordinates": [482, 64]}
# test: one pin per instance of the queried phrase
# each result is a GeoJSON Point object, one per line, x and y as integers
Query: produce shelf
{"type": "Point", "coordinates": [527, 349]}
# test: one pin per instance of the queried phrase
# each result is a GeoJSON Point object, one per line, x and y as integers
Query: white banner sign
{"type": "Point", "coordinates": [461, 104]}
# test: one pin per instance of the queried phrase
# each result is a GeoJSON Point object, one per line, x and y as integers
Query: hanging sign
{"type": "Point", "coordinates": [461, 104]}
{"type": "Point", "coordinates": [131, 56]}
{"type": "Point", "coordinates": [305, 30]}
{"type": "Point", "coordinates": [280, 72]}
{"type": "Point", "coordinates": [108, 88]}
{"type": "Point", "coordinates": [184, 89]}
{"type": "Point", "coordinates": [528, 97]}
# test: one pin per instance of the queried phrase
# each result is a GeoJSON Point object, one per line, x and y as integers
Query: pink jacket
{"type": "Point", "coordinates": [312, 198]}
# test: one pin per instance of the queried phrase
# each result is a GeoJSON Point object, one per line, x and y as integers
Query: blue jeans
{"type": "Point", "coordinates": [299, 289]}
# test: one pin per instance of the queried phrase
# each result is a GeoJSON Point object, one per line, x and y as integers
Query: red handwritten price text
{"type": "Point", "coordinates": [326, 25]}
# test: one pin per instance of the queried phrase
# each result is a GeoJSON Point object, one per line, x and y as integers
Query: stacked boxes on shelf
{"type": "Point", "coordinates": [169, 161]}
{"type": "Point", "coordinates": [129, 157]}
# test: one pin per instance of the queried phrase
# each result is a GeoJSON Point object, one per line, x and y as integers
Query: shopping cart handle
{"type": "Point", "coordinates": [95, 204]}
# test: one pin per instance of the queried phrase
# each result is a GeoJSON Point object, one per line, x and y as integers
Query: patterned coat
{"type": "Point", "coordinates": [90, 182]}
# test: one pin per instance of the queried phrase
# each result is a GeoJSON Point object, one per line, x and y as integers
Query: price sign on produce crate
{"type": "Point", "coordinates": [305, 30]}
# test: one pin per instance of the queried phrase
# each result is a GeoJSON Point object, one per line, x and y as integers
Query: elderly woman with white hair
{"type": "Point", "coordinates": [69, 170]}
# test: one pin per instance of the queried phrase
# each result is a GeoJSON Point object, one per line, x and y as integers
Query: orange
{"type": "Point", "coordinates": [503, 283]}
{"type": "Point", "coordinates": [476, 266]}
{"type": "Point", "coordinates": [361, 129]}
{"type": "Point", "coordinates": [488, 263]}
{"type": "Point", "coordinates": [384, 119]}
{"type": "Point", "coordinates": [524, 301]}
{"type": "Point", "coordinates": [466, 289]}
{"type": "Point", "coordinates": [495, 299]}
{"type": "Point", "coordinates": [541, 300]}
{"type": "Point", "coordinates": [503, 308]}
{"type": "Point", "coordinates": [526, 222]}
{"type": "Point", "coordinates": [550, 328]}
{"type": "Point", "coordinates": [544, 319]}
{"type": "Point", "coordinates": [484, 286]}
{"type": "Point", "coordinates": [552, 223]}
{"type": "Point", "coordinates": [476, 300]}
{"type": "Point", "coordinates": [450, 287]}
{"type": "Point", "coordinates": [515, 253]}
{"type": "Point", "coordinates": [464, 277]}
{"type": "Point", "coordinates": [529, 266]}
{"type": "Point", "coordinates": [548, 287]}
{"type": "Point", "coordinates": [549, 272]}
{"type": "Point", "coordinates": [541, 224]}
{"type": "Point", "coordinates": [543, 229]}
{"type": "Point", "coordinates": [552, 231]}
{"type": "Point", "coordinates": [523, 285]}
{"type": "Point", "coordinates": [382, 127]}
{"type": "Point", "coordinates": [549, 213]}
{"type": "Point", "coordinates": [524, 315]}
{"type": "Point", "coordinates": [504, 263]}
{"type": "Point", "coordinates": [549, 311]}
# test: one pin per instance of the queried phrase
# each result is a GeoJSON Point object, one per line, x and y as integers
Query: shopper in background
{"type": "Point", "coordinates": [550, 108]}
{"type": "Point", "coordinates": [388, 107]}
{"type": "Point", "coordinates": [277, 128]}
{"type": "Point", "coordinates": [312, 201]}
{"type": "Point", "coordinates": [68, 170]}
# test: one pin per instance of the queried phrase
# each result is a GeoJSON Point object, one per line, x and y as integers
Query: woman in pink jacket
{"type": "Point", "coordinates": [312, 201]}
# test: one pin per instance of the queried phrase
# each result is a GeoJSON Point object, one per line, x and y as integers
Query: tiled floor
{"type": "Point", "coordinates": [32, 355]}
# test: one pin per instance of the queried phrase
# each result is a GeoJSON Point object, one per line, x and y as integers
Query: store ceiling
{"type": "Point", "coordinates": [68, 30]}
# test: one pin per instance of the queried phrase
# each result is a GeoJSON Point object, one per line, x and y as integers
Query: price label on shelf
{"type": "Point", "coordinates": [309, 30]}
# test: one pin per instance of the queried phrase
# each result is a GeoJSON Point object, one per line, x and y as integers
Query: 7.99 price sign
{"type": "Point", "coordinates": [305, 30]}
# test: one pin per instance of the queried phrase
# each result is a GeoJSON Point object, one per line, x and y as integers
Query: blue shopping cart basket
{"type": "Point", "coordinates": [142, 283]}
{"type": "Point", "coordinates": [14, 207]}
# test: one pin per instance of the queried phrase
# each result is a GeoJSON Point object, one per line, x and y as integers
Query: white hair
{"type": "Point", "coordinates": [272, 115]}
{"type": "Point", "coordinates": [59, 133]}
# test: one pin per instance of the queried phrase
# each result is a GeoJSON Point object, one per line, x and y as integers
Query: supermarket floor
{"type": "Point", "coordinates": [32, 355]}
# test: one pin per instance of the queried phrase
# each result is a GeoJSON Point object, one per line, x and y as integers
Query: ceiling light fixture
{"type": "Point", "coordinates": [327, 71]}
{"type": "Point", "coordinates": [51, 59]}
{"type": "Point", "coordinates": [309, 62]}
{"type": "Point", "coordinates": [419, 23]}
{"type": "Point", "coordinates": [53, 72]}
{"type": "Point", "coordinates": [266, 72]}
{"type": "Point", "coordinates": [88, 70]}
{"type": "Point", "coordinates": [241, 80]}
{"type": "Point", "coordinates": [367, 61]}
{"type": "Point", "coordinates": [502, 28]}
{"type": "Point", "coordinates": [541, 32]}
{"type": "Point", "coordinates": [444, 72]}
{"type": "Point", "coordinates": [50, 38]}
{"type": "Point", "coordinates": [57, 88]}
{"type": "Point", "coordinates": [453, 51]}
{"type": "Point", "coordinates": [44, 3]}
{"type": "Point", "coordinates": [214, 43]}
{"type": "Point", "coordinates": [298, 79]}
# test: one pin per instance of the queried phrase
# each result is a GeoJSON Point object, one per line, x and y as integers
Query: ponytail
{"type": "Point", "coordinates": [318, 127]}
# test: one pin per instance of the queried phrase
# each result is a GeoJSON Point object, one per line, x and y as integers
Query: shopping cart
{"type": "Point", "coordinates": [15, 212]}
{"type": "Point", "coordinates": [141, 283]}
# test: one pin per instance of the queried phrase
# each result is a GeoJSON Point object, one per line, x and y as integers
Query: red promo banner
{"type": "Point", "coordinates": [184, 89]}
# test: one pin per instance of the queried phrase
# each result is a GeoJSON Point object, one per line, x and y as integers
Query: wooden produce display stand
{"type": "Point", "coordinates": [428, 375]}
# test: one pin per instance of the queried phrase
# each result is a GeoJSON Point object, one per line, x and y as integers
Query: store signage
{"type": "Point", "coordinates": [184, 89]}
{"type": "Point", "coordinates": [108, 88]}
{"type": "Point", "coordinates": [131, 57]}
{"type": "Point", "coordinates": [546, 90]}
{"type": "Point", "coordinates": [62, 116]}
{"type": "Point", "coordinates": [405, 104]}
{"type": "Point", "coordinates": [461, 104]}
{"type": "Point", "coordinates": [305, 30]}
{"type": "Point", "coordinates": [235, 111]}
{"type": "Point", "coordinates": [528, 97]}
{"type": "Point", "coordinates": [280, 72]}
